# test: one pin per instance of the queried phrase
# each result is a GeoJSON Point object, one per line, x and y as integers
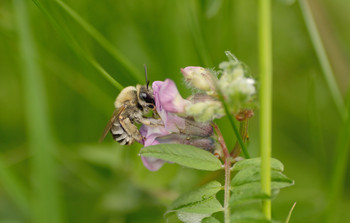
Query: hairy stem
{"type": "Point", "coordinates": [227, 166]}
{"type": "Point", "coordinates": [265, 59]}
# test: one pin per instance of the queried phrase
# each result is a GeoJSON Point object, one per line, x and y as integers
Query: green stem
{"type": "Point", "coordinates": [323, 59]}
{"type": "Point", "coordinates": [234, 127]}
{"type": "Point", "coordinates": [227, 167]}
{"type": "Point", "coordinates": [265, 59]}
{"type": "Point", "coordinates": [243, 129]}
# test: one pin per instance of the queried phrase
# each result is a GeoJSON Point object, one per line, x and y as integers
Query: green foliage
{"type": "Point", "coordinates": [198, 204]}
{"type": "Point", "coordinates": [185, 155]}
{"type": "Point", "coordinates": [256, 162]}
{"type": "Point", "coordinates": [210, 220]}
{"type": "Point", "coordinates": [96, 180]}
{"type": "Point", "coordinates": [246, 188]}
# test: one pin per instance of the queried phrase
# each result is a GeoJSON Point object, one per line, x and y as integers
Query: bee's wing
{"type": "Point", "coordinates": [115, 115]}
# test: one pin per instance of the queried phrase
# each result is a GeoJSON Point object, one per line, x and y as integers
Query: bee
{"type": "Point", "coordinates": [131, 105]}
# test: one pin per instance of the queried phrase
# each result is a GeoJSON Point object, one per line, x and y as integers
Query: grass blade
{"type": "Point", "coordinates": [197, 35]}
{"type": "Point", "coordinates": [337, 180]}
{"type": "Point", "coordinates": [78, 50]}
{"type": "Point", "coordinates": [323, 59]}
{"type": "Point", "coordinates": [14, 188]}
{"type": "Point", "coordinates": [107, 45]}
{"type": "Point", "coordinates": [46, 203]}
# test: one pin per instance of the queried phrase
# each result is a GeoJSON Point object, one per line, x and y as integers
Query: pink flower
{"type": "Point", "coordinates": [150, 134]}
{"type": "Point", "coordinates": [168, 96]}
{"type": "Point", "coordinates": [176, 129]}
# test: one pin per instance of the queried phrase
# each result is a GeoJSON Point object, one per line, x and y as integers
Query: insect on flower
{"type": "Point", "coordinates": [131, 105]}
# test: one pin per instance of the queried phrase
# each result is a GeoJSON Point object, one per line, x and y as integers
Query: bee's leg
{"type": "Point", "coordinates": [151, 121]}
{"type": "Point", "coordinates": [131, 129]}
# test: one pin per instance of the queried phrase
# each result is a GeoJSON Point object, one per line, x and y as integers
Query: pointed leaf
{"type": "Point", "coordinates": [185, 155]}
{"type": "Point", "coordinates": [252, 191]}
{"type": "Point", "coordinates": [252, 174]}
{"type": "Point", "coordinates": [191, 217]}
{"type": "Point", "coordinates": [256, 162]}
{"type": "Point", "coordinates": [207, 206]}
{"type": "Point", "coordinates": [210, 220]}
{"type": "Point", "coordinates": [200, 194]}
{"type": "Point", "coordinates": [199, 210]}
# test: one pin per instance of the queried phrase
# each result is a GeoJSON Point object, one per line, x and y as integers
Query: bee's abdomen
{"type": "Point", "coordinates": [119, 134]}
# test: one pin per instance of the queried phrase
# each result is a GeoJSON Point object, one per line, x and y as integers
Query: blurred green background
{"type": "Point", "coordinates": [55, 103]}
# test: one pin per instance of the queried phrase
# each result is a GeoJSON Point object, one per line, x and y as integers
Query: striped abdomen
{"type": "Point", "coordinates": [119, 134]}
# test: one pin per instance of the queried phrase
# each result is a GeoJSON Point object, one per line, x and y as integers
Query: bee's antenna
{"type": "Point", "coordinates": [147, 81]}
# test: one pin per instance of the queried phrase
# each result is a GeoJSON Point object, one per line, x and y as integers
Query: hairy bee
{"type": "Point", "coordinates": [130, 107]}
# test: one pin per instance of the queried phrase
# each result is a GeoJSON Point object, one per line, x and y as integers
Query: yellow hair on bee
{"type": "Point", "coordinates": [127, 94]}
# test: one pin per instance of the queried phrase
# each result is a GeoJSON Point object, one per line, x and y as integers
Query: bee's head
{"type": "Point", "coordinates": [145, 97]}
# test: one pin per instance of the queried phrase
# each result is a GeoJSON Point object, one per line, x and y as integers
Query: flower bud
{"type": "Point", "coordinates": [198, 77]}
{"type": "Point", "coordinates": [236, 86]}
{"type": "Point", "coordinates": [205, 111]}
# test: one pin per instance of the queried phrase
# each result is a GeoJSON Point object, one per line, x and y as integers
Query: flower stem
{"type": "Point", "coordinates": [227, 166]}
{"type": "Point", "coordinates": [265, 59]}
{"type": "Point", "coordinates": [227, 189]}
{"type": "Point", "coordinates": [243, 129]}
{"type": "Point", "coordinates": [235, 129]}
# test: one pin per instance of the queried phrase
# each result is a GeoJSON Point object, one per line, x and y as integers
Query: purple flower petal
{"type": "Point", "coordinates": [151, 163]}
{"type": "Point", "coordinates": [168, 96]}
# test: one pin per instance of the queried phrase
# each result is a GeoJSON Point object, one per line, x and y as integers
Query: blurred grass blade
{"type": "Point", "coordinates": [108, 46]}
{"type": "Point", "coordinates": [323, 59]}
{"type": "Point", "coordinates": [80, 52]}
{"type": "Point", "coordinates": [340, 163]}
{"type": "Point", "coordinates": [317, 140]}
{"type": "Point", "coordinates": [105, 74]}
{"type": "Point", "coordinates": [14, 188]}
{"type": "Point", "coordinates": [46, 205]}
{"type": "Point", "coordinates": [195, 28]}
{"type": "Point", "coordinates": [290, 213]}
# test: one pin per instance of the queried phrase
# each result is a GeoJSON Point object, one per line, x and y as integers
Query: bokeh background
{"type": "Point", "coordinates": [51, 164]}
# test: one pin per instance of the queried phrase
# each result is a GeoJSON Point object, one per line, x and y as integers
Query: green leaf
{"type": "Point", "coordinates": [249, 216]}
{"type": "Point", "coordinates": [197, 211]}
{"type": "Point", "coordinates": [256, 162]}
{"type": "Point", "coordinates": [252, 174]}
{"type": "Point", "coordinates": [198, 195]}
{"type": "Point", "coordinates": [185, 155]}
{"type": "Point", "coordinates": [197, 204]}
{"type": "Point", "coordinates": [210, 220]}
{"type": "Point", "coordinates": [252, 191]}
{"type": "Point", "coordinates": [207, 206]}
{"type": "Point", "coordinates": [191, 217]}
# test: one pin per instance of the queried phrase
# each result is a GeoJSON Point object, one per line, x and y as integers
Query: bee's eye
{"type": "Point", "coordinates": [146, 97]}
{"type": "Point", "coordinates": [143, 96]}
{"type": "Point", "coordinates": [150, 106]}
